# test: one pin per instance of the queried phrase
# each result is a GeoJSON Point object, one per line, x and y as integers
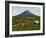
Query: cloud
{"type": "Point", "coordinates": [16, 10]}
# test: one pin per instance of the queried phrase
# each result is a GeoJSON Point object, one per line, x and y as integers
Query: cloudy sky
{"type": "Point", "coordinates": [16, 10]}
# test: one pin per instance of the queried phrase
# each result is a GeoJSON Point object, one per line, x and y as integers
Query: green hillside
{"type": "Point", "coordinates": [25, 23]}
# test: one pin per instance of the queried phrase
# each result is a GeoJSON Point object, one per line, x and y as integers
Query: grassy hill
{"type": "Point", "coordinates": [25, 23]}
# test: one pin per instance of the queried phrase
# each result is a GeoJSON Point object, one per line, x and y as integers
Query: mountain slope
{"type": "Point", "coordinates": [26, 13]}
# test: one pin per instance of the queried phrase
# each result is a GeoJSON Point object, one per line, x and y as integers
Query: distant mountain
{"type": "Point", "coordinates": [26, 13]}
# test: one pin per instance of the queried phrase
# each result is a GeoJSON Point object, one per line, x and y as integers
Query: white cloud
{"type": "Point", "coordinates": [18, 10]}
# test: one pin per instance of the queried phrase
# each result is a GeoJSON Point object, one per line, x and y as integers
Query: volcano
{"type": "Point", "coordinates": [26, 13]}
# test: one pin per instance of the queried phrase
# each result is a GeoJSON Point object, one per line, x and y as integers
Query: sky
{"type": "Point", "coordinates": [16, 10]}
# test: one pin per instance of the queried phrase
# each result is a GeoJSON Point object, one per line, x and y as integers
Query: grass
{"type": "Point", "coordinates": [25, 23]}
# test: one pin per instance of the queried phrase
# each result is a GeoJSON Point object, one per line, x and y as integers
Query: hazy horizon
{"type": "Point", "coordinates": [16, 10]}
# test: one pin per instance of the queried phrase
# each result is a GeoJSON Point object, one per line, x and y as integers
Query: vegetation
{"type": "Point", "coordinates": [25, 23]}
